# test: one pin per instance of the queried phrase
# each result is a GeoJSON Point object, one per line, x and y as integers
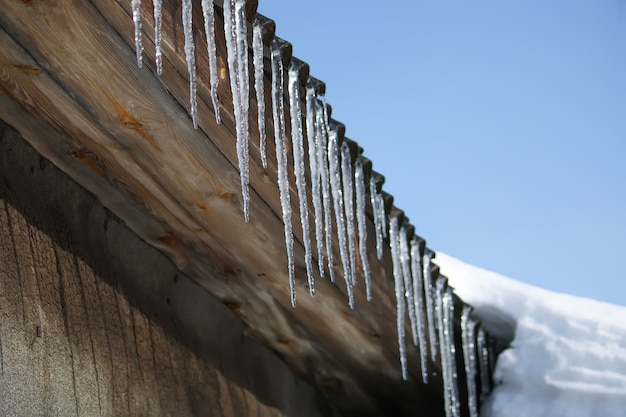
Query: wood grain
{"type": "Point", "coordinates": [69, 83]}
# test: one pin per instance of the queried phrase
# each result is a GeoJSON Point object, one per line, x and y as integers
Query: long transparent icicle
{"type": "Point", "coordinates": [313, 145]}
{"type": "Point", "coordinates": [235, 31]}
{"type": "Point", "coordinates": [337, 192]}
{"type": "Point", "coordinates": [190, 57]}
{"type": "Point", "coordinates": [136, 6]}
{"type": "Point", "coordinates": [483, 354]}
{"type": "Point", "coordinates": [429, 299]}
{"type": "Point", "coordinates": [376, 209]}
{"type": "Point", "coordinates": [394, 240]}
{"type": "Point", "coordinates": [418, 293]}
{"type": "Point", "coordinates": [297, 140]}
{"type": "Point", "coordinates": [281, 158]}
{"type": "Point", "coordinates": [468, 327]}
{"type": "Point", "coordinates": [257, 59]}
{"type": "Point", "coordinates": [359, 179]}
{"type": "Point", "coordinates": [208, 12]}
{"type": "Point", "coordinates": [445, 317]}
{"type": "Point", "coordinates": [323, 165]}
{"type": "Point", "coordinates": [405, 260]}
{"type": "Point", "coordinates": [348, 204]}
{"type": "Point", "coordinates": [158, 20]}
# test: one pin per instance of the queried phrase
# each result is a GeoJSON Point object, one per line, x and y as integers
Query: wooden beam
{"type": "Point", "coordinates": [70, 84]}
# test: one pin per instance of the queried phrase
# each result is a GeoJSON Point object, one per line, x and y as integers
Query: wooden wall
{"type": "Point", "coordinates": [93, 321]}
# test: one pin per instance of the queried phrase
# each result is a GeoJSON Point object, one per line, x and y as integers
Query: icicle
{"type": "Point", "coordinates": [483, 354]}
{"type": "Point", "coordinates": [237, 47]}
{"type": "Point", "coordinates": [158, 18]}
{"type": "Point", "coordinates": [376, 209]}
{"type": "Point", "coordinates": [322, 164]}
{"type": "Point", "coordinates": [359, 179]}
{"type": "Point", "coordinates": [136, 5]}
{"type": "Point", "coordinates": [313, 144]}
{"type": "Point", "coordinates": [468, 327]}
{"type": "Point", "coordinates": [257, 59]}
{"type": "Point", "coordinates": [418, 291]}
{"type": "Point", "coordinates": [348, 203]}
{"type": "Point", "coordinates": [297, 140]}
{"type": "Point", "coordinates": [337, 192]}
{"type": "Point", "coordinates": [191, 59]}
{"type": "Point", "coordinates": [394, 239]}
{"type": "Point", "coordinates": [405, 260]}
{"type": "Point", "coordinates": [208, 12]}
{"type": "Point", "coordinates": [445, 317]}
{"type": "Point", "coordinates": [281, 157]}
{"type": "Point", "coordinates": [429, 300]}
{"type": "Point", "coordinates": [381, 214]}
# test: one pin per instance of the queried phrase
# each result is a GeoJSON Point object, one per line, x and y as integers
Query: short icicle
{"type": "Point", "coordinates": [297, 140]}
{"type": "Point", "coordinates": [429, 299]}
{"type": "Point", "coordinates": [394, 241]}
{"type": "Point", "coordinates": [468, 332]}
{"type": "Point", "coordinates": [190, 57]}
{"type": "Point", "coordinates": [405, 260]}
{"type": "Point", "coordinates": [257, 59]}
{"type": "Point", "coordinates": [136, 6]}
{"type": "Point", "coordinates": [337, 192]}
{"type": "Point", "coordinates": [376, 209]}
{"type": "Point", "coordinates": [281, 158]}
{"type": "Point", "coordinates": [208, 12]}
{"type": "Point", "coordinates": [158, 22]}
{"type": "Point", "coordinates": [235, 31]}
{"type": "Point", "coordinates": [313, 145]}
{"type": "Point", "coordinates": [359, 180]}
{"type": "Point", "coordinates": [348, 204]}
{"type": "Point", "coordinates": [323, 166]}
{"type": "Point", "coordinates": [418, 296]}
{"type": "Point", "coordinates": [445, 317]}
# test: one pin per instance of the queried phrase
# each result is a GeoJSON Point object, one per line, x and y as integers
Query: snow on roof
{"type": "Point", "coordinates": [567, 355]}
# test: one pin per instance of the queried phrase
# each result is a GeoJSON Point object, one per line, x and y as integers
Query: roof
{"type": "Point", "coordinates": [70, 84]}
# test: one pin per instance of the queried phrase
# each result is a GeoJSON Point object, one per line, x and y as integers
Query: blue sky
{"type": "Point", "coordinates": [500, 125]}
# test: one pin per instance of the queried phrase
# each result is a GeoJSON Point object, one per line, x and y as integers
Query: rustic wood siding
{"type": "Point", "coordinates": [93, 321]}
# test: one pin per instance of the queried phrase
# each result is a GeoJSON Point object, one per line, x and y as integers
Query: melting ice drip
{"type": "Point", "coordinates": [297, 139]}
{"type": "Point", "coordinates": [418, 291]}
{"type": "Point", "coordinates": [394, 241]}
{"type": "Point", "coordinates": [359, 179]}
{"type": "Point", "coordinates": [257, 59]}
{"type": "Point", "coordinates": [338, 203]}
{"type": "Point", "coordinates": [445, 318]}
{"type": "Point", "coordinates": [336, 183]}
{"type": "Point", "coordinates": [208, 12]}
{"type": "Point", "coordinates": [468, 332]}
{"type": "Point", "coordinates": [278, 111]}
{"type": "Point", "coordinates": [236, 34]}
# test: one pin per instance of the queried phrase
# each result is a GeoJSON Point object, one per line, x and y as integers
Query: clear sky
{"type": "Point", "coordinates": [500, 125]}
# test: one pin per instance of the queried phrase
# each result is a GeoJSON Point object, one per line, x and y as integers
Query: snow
{"type": "Point", "coordinates": [567, 355]}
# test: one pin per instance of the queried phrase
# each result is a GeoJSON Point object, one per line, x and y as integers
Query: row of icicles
{"type": "Point", "coordinates": [335, 183]}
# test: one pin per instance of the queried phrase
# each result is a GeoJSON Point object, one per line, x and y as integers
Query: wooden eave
{"type": "Point", "coordinates": [69, 82]}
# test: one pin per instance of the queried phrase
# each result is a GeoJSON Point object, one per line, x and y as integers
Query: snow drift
{"type": "Point", "coordinates": [567, 355]}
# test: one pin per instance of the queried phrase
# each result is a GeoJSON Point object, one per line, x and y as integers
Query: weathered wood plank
{"type": "Point", "coordinates": [117, 131]}
{"type": "Point", "coordinates": [56, 361]}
